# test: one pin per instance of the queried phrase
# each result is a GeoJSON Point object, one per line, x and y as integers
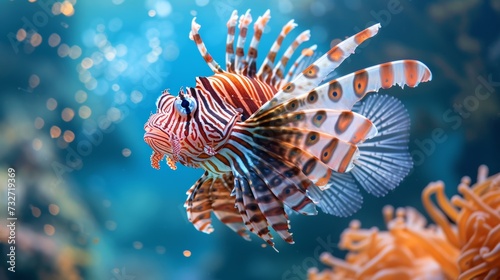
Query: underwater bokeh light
{"type": "Point", "coordinates": [80, 78]}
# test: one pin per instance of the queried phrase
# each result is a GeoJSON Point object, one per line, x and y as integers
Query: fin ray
{"type": "Point", "coordinates": [258, 27]}
{"type": "Point", "coordinates": [195, 36]}
{"type": "Point", "coordinates": [338, 155]}
{"type": "Point", "coordinates": [223, 205]}
{"type": "Point", "coordinates": [240, 61]}
{"type": "Point", "coordinates": [317, 71]}
{"type": "Point", "coordinates": [344, 92]}
{"type": "Point", "coordinates": [266, 68]}
{"type": "Point", "coordinates": [341, 198]}
{"type": "Point", "coordinates": [384, 160]}
{"type": "Point", "coordinates": [307, 56]}
{"type": "Point", "coordinates": [252, 209]}
{"type": "Point", "coordinates": [345, 125]}
{"type": "Point", "coordinates": [211, 193]}
{"type": "Point", "coordinates": [279, 69]}
{"type": "Point", "coordinates": [231, 28]}
{"type": "Point", "coordinates": [283, 178]}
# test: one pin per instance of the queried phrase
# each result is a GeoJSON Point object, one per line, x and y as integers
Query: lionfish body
{"type": "Point", "coordinates": [271, 140]}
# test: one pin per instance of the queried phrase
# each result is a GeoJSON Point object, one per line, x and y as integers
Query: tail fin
{"type": "Point", "coordinates": [384, 160]}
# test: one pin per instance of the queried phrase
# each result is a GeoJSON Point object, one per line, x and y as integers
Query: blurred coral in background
{"type": "Point", "coordinates": [50, 243]}
{"type": "Point", "coordinates": [463, 244]}
{"type": "Point", "coordinates": [475, 227]}
{"type": "Point", "coordinates": [80, 78]}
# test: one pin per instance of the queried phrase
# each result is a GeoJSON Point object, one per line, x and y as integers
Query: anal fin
{"type": "Point", "coordinates": [223, 205]}
{"type": "Point", "coordinates": [211, 193]}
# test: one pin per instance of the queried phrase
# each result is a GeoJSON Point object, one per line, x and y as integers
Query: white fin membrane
{"type": "Point", "coordinates": [383, 163]}
{"type": "Point", "coordinates": [341, 198]}
{"type": "Point", "coordinates": [384, 160]}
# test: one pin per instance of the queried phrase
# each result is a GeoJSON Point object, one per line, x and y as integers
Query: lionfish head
{"type": "Point", "coordinates": [165, 130]}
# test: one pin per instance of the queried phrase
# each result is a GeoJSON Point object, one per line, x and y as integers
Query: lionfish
{"type": "Point", "coordinates": [273, 142]}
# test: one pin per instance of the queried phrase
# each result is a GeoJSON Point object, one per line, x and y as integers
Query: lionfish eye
{"type": "Point", "coordinates": [185, 105]}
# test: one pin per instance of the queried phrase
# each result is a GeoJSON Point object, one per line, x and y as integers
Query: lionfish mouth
{"type": "Point", "coordinates": [163, 144]}
{"type": "Point", "coordinates": [153, 138]}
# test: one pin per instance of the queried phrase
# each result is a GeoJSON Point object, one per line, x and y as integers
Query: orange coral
{"type": "Point", "coordinates": [409, 249]}
{"type": "Point", "coordinates": [468, 248]}
{"type": "Point", "coordinates": [477, 220]}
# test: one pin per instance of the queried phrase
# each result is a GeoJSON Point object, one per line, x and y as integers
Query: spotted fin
{"type": "Point", "coordinates": [314, 74]}
{"type": "Point", "coordinates": [317, 141]}
{"type": "Point", "coordinates": [344, 125]}
{"type": "Point", "coordinates": [344, 92]}
{"type": "Point", "coordinates": [307, 56]}
{"type": "Point", "coordinates": [285, 180]}
{"type": "Point", "coordinates": [384, 160]}
{"type": "Point", "coordinates": [315, 152]}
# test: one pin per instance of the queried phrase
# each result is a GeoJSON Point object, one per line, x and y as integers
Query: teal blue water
{"type": "Point", "coordinates": [77, 90]}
